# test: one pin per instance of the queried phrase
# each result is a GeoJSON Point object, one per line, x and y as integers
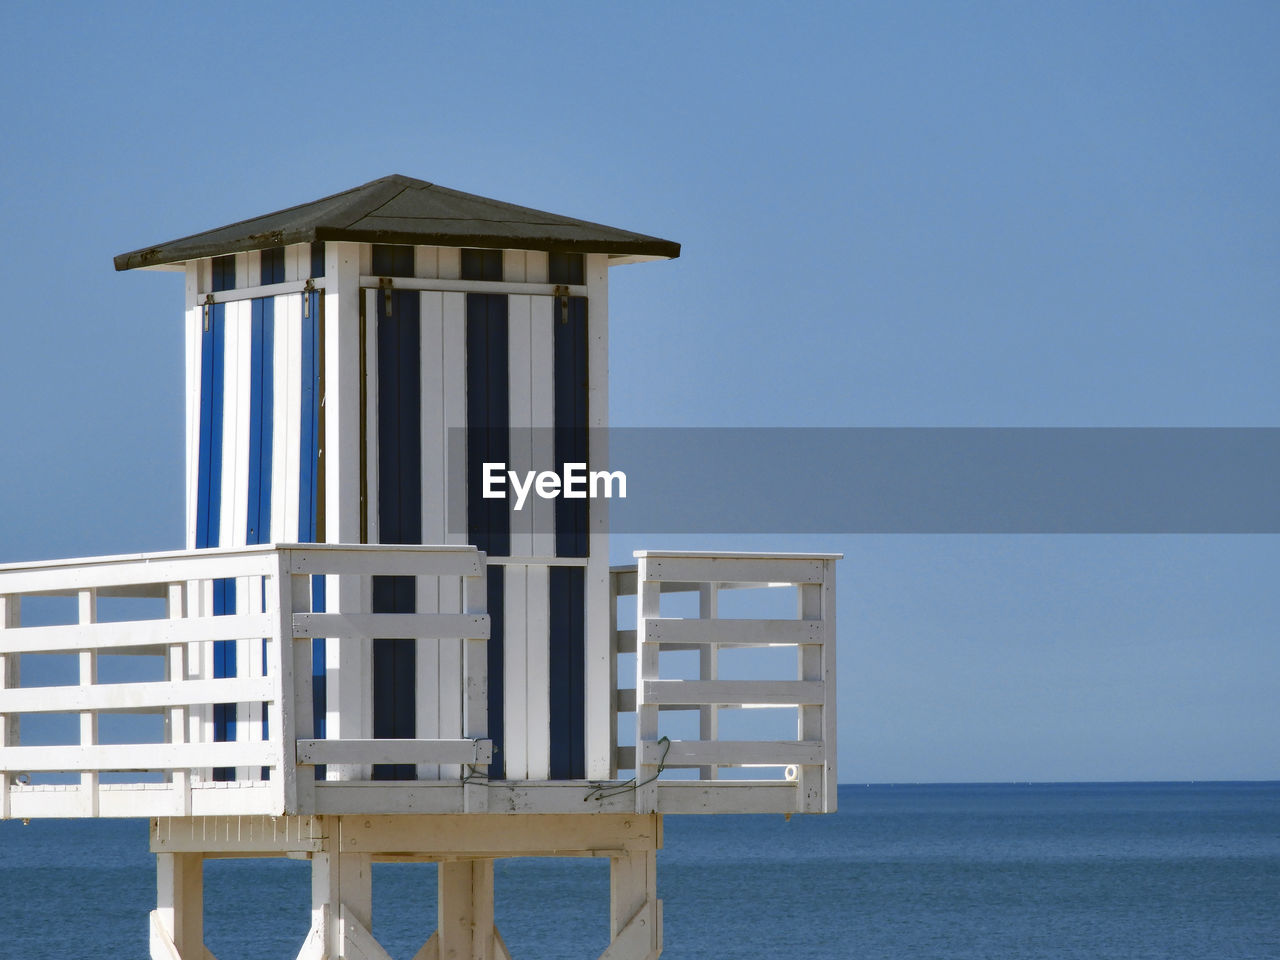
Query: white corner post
{"type": "Point", "coordinates": [10, 616]}
{"type": "Point", "coordinates": [346, 660]}
{"type": "Point", "coordinates": [648, 608]}
{"type": "Point", "coordinates": [599, 705]}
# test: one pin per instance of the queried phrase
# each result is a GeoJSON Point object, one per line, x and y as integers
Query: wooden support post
{"type": "Point", "coordinates": [176, 719]}
{"type": "Point", "coordinates": [10, 616]}
{"type": "Point", "coordinates": [179, 914]}
{"type": "Point", "coordinates": [465, 910]}
{"type": "Point", "coordinates": [302, 705]}
{"type": "Point", "coordinates": [829, 685]}
{"type": "Point", "coordinates": [708, 669]}
{"type": "Point", "coordinates": [88, 609]}
{"type": "Point", "coordinates": [811, 725]}
{"type": "Point", "coordinates": [648, 603]}
{"type": "Point", "coordinates": [279, 593]}
{"type": "Point", "coordinates": [341, 897]}
{"type": "Point", "coordinates": [475, 697]}
{"type": "Point", "coordinates": [635, 912]}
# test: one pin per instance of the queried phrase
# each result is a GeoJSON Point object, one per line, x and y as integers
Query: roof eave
{"type": "Point", "coordinates": [632, 250]}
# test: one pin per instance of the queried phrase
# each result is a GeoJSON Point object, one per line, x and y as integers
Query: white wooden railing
{"type": "Point", "coordinates": [273, 767]}
{"type": "Point", "coordinates": [807, 762]}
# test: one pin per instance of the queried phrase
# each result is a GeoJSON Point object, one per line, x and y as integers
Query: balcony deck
{"type": "Point", "coordinates": [275, 756]}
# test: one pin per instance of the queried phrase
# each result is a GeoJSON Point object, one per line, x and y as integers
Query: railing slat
{"type": "Point", "coordinates": [742, 632]}
{"type": "Point", "coordinates": [273, 767]}
{"type": "Point", "coordinates": [773, 692]}
{"type": "Point", "coordinates": [394, 751]}
{"type": "Point", "coordinates": [733, 752]}
{"type": "Point", "coordinates": [391, 626]}
{"type": "Point", "coordinates": [716, 569]}
{"type": "Point", "coordinates": [127, 697]}
{"type": "Point", "coordinates": [135, 756]}
{"type": "Point", "coordinates": [136, 633]}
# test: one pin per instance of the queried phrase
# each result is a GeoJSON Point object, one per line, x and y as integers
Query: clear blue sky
{"type": "Point", "coordinates": [1050, 214]}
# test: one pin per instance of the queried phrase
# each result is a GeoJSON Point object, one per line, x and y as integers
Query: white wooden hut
{"type": "Point", "coordinates": [365, 658]}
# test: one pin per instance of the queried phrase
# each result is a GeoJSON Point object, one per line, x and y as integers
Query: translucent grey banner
{"type": "Point", "coordinates": [908, 480]}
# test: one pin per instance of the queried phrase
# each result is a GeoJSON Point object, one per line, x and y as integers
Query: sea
{"type": "Point", "coordinates": [1166, 871]}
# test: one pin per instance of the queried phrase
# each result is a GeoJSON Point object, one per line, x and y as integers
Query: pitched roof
{"type": "Point", "coordinates": [398, 209]}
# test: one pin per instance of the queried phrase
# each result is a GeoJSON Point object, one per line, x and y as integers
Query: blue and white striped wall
{"type": "Point", "coordinates": [503, 354]}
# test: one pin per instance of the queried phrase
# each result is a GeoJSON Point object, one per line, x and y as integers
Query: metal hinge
{"type": "Point", "coordinates": [561, 293]}
{"type": "Point", "coordinates": [384, 284]}
{"type": "Point", "coordinates": [205, 308]}
{"type": "Point", "coordinates": [308, 288]}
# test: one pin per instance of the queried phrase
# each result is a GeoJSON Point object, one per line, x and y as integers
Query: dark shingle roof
{"type": "Point", "coordinates": [398, 209]}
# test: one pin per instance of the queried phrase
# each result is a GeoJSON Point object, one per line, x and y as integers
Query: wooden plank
{"type": "Point", "coordinates": [304, 709]}
{"type": "Point", "coordinates": [425, 261]}
{"type": "Point", "coordinates": [741, 570]}
{"type": "Point", "coordinates": [448, 691]}
{"type": "Point", "coordinates": [773, 692]}
{"type": "Point", "coordinates": [537, 683]}
{"type": "Point", "coordinates": [737, 555]}
{"type": "Point", "coordinates": [109, 637]}
{"type": "Point", "coordinates": [740, 632]}
{"type": "Point", "coordinates": [88, 614]}
{"type": "Point", "coordinates": [142, 756]}
{"type": "Point", "coordinates": [648, 607]}
{"type": "Point", "coordinates": [515, 666]}
{"type": "Point", "coordinates": [178, 717]}
{"type": "Point", "coordinates": [427, 686]}
{"type": "Point", "coordinates": [371, 415]}
{"type": "Point", "coordinates": [709, 669]}
{"type": "Point", "coordinates": [394, 751]}
{"type": "Point", "coordinates": [830, 728]}
{"type": "Point", "coordinates": [541, 419]}
{"type": "Point", "coordinates": [130, 697]}
{"type": "Point", "coordinates": [105, 573]}
{"type": "Point", "coordinates": [727, 796]}
{"type": "Point", "coordinates": [193, 321]}
{"type": "Point", "coordinates": [388, 560]}
{"type": "Point", "coordinates": [287, 414]}
{"type": "Point", "coordinates": [434, 424]}
{"type": "Point", "coordinates": [247, 835]}
{"type": "Point", "coordinates": [10, 664]}
{"type": "Point", "coordinates": [624, 580]}
{"type": "Point", "coordinates": [240, 799]}
{"type": "Point", "coordinates": [520, 416]}
{"type": "Point", "coordinates": [600, 663]}
{"type": "Point", "coordinates": [513, 266]}
{"type": "Point", "coordinates": [391, 626]}
{"type": "Point", "coordinates": [341, 375]}
{"type": "Point", "coordinates": [454, 405]}
{"type": "Point", "coordinates": [235, 427]}
{"type": "Point", "coordinates": [511, 834]}
{"type": "Point", "coordinates": [734, 752]}
{"type": "Point", "coordinates": [280, 726]}
{"type": "Point", "coordinates": [612, 772]}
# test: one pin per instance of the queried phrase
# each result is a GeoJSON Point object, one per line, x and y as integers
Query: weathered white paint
{"type": "Point", "coordinates": [348, 711]}
{"type": "Point", "coordinates": [598, 682]}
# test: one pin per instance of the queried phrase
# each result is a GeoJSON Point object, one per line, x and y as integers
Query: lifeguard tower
{"type": "Point", "coordinates": [359, 656]}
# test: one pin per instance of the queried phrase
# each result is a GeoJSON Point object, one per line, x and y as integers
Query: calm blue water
{"type": "Point", "coordinates": [1130, 871]}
